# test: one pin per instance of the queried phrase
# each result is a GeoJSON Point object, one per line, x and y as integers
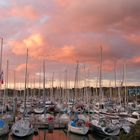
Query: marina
{"type": "Point", "coordinates": [69, 70]}
{"type": "Point", "coordinates": [79, 111]}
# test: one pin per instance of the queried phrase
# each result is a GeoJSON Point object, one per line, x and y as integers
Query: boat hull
{"type": "Point", "coordinates": [78, 130]}
{"type": "Point", "coordinates": [101, 131]}
{"type": "Point", "coordinates": [22, 128]}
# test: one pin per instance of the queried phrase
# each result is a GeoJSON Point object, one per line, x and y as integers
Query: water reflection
{"type": "Point", "coordinates": [56, 135]}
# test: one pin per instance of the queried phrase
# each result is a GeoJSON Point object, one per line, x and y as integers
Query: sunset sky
{"type": "Point", "coordinates": [66, 31]}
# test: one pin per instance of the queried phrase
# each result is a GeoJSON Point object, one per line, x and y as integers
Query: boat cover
{"type": "Point", "coordinates": [2, 123]}
{"type": "Point", "coordinates": [73, 123]}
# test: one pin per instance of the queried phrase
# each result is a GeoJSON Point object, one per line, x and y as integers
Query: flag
{"type": "Point", "coordinates": [1, 77]}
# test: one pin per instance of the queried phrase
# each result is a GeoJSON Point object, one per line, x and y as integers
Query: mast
{"type": "Point", "coordinates": [52, 86]}
{"type": "Point", "coordinates": [85, 85]}
{"type": "Point", "coordinates": [115, 75]}
{"type": "Point", "coordinates": [119, 92]}
{"type": "Point", "coordinates": [14, 83]}
{"type": "Point", "coordinates": [96, 84]}
{"type": "Point", "coordinates": [124, 81]}
{"type": "Point", "coordinates": [25, 88]}
{"type": "Point", "coordinates": [1, 54]}
{"type": "Point", "coordinates": [66, 85]}
{"type": "Point", "coordinates": [44, 81]}
{"type": "Point", "coordinates": [6, 86]}
{"type": "Point", "coordinates": [76, 80]}
{"type": "Point", "coordinates": [34, 88]}
{"type": "Point", "coordinates": [1, 59]}
{"type": "Point", "coordinates": [88, 94]}
{"type": "Point", "coordinates": [100, 76]}
{"type": "Point", "coordinates": [6, 81]}
{"type": "Point", "coordinates": [110, 90]}
{"type": "Point", "coordinates": [60, 86]}
{"type": "Point", "coordinates": [39, 86]}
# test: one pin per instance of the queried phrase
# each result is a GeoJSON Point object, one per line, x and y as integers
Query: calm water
{"type": "Point", "coordinates": [56, 135]}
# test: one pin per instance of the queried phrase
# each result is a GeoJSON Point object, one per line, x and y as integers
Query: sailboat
{"type": "Point", "coordinates": [8, 117]}
{"type": "Point", "coordinates": [23, 127]}
{"type": "Point", "coordinates": [101, 125]}
{"type": "Point", "coordinates": [78, 126]}
{"type": "Point", "coordinates": [133, 118]}
{"type": "Point", "coordinates": [46, 116]}
{"type": "Point", "coordinates": [104, 128]}
{"type": "Point", "coordinates": [39, 108]}
{"type": "Point", "coordinates": [65, 118]}
{"type": "Point", "coordinates": [4, 128]}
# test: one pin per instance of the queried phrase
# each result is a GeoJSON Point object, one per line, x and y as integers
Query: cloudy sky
{"type": "Point", "coordinates": [66, 31]}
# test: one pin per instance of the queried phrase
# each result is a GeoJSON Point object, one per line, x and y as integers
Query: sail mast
{"type": "Point", "coordinates": [100, 76]}
{"type": "Point", "coordinates": [25, 91]}
{"type": "Point", "coordinates": [44, 81]}
{"type": "Point", "coordinates": [1, 58]}
{"type": "Point", "coordinates": [76, 81]}
{"type": "Point", "coordinates": [115, 78]}
{"type": "Point", "coordinates": [15, 83]}
{"type": "Point", "coordinates": [1, 54]}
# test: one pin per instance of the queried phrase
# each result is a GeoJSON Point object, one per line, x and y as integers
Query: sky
{"type": "Point", "coordinates": [66, 31]}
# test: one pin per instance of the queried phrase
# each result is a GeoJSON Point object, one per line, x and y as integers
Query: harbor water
{"type": "Point", "coordinates": [57, 135]}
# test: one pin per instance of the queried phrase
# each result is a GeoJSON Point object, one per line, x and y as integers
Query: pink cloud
{"type": "Point", "coordinates": [24, 12]}
{"type": "Point", "coordinates": [134, 38]}
{"type": "Point", "coordinates": [65, 31]}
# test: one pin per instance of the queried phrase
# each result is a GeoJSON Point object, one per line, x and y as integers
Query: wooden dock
{"type": "Point", "coordinates": [47, 125]}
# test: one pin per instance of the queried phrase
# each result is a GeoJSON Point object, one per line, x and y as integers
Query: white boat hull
{"type": "Point", "coordinates": [78, 130]}
{"type": "Point", "coordinates": [22, 128]}
{"type": "Point", "coordinates": [39, 110]}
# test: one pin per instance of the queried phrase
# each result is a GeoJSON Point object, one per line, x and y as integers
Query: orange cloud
{"type": "Point", "coordinates": [66, 53]}
{"type": "Point", "coordinates": [136, 59]}
{"type": "Point", "coordinates": [33, 43]}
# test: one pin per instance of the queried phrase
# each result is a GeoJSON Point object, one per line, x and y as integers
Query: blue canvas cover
{"type": "Point", "coordinates": [2, 123]}
{"type": "Point", "coordinates": [73, 123]}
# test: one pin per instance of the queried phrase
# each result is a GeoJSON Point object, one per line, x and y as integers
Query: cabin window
{"type": "Point", "coordinates": [134, 116]}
